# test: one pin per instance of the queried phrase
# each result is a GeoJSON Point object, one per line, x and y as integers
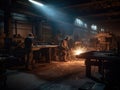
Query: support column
{"type": "Point", "coordinates": [16, 27]}
{"type": "Point", "coordinates": [7, 17]}
{"type": "Point", "coordinates": [7, 25]}
{"type": "Point", "coordinates": [37, 30]}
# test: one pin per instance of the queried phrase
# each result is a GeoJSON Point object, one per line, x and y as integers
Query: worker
{"type": "Point", "coordinates": [64, 48]}
{"type": "Point", "coordinates": [28, 42]}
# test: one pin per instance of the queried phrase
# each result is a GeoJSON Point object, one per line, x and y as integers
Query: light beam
{"type": "Point", "coordinates": [37, 3]}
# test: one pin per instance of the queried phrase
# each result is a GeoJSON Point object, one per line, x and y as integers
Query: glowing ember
{"type": "Point", "coordinates": [78, 51]}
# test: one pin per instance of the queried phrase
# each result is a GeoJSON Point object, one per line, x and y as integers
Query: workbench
{"type": "Point", "coordinates": [48, 49]}
{"type": "Point", "coordinates": [104, 61]}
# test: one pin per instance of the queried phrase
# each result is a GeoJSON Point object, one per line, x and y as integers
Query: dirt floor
{"type": "Point", "coordinates": [56, 70]}
{"type": "Point", "coordinates": [50, 76]}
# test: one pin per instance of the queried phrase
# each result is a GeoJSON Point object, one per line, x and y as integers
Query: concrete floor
{"type": "Point", "coordinates": [53, 76]}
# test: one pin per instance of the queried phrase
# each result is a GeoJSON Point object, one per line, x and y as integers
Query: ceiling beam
{"type": "Point", "coordinates": [116, 13]}
{"type": "Point", "coordinates": [26, 13]}
{"type": "Point", "coordinates": [95, 5]}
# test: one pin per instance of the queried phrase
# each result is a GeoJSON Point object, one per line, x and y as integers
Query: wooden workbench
{"type": "Point", "coordinates": [49, 48]}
